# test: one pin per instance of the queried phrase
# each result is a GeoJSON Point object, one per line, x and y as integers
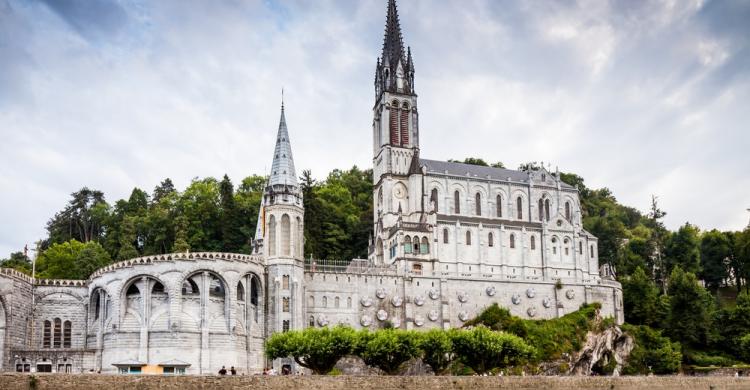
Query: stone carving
{"type": "Point", "coordinates": [530, 292]}
{"type": "Point", "coordinates": [432, 315]}
{"type": "Point", "coordinates": [322, 320]}
{"type": "Point", "coordinates": [380, 293]}
{"type": "Point", "coordinates": [490, 291]}
{"type": "Point", "coordinates": [419, 300]}
{"type": "Point", "coordinates": [570, 294]}
{"type": "Point", "coordinates": [418, 320]}
{"type": "Point", "coordinates": [531, 311]}
{"type": "Point", "coordinates": [463, 316]}
{"type": "Point", "coordinates": [463, 297]}
{"type": "Point", "coordinates": [516, 299]}
{"type": "Point", "coordinates": [365, 320]}
{"type": "Point", "coordinates": [547, 302]}
{"type": "Point", "coordinates": [396, 301]}
{"type": "Point", "coordinates": [434, 294]}
{"type": "Point", "coordinates": [382, 315]}
{"type": "Point", "coordinates": [366, 301]}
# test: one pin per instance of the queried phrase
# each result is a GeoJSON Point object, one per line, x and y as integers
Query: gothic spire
{"type": "Point", "coordinates": [393, 44]}
{"type": "Point", "coordinates": [282, 169]}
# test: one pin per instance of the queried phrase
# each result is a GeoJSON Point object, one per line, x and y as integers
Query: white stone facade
{"type": "Point", "coordinates": [449, 239]}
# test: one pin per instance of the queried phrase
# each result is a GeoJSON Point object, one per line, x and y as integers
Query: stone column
{"type": "Point", "coordinates": [205, 352]}
{"type": "Point", "coordinates": [145, 287]}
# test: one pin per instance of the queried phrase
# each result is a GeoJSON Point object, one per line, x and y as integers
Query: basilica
{"type": "Point", "coordinates": [448, 240]}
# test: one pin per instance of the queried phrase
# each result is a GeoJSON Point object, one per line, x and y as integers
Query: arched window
{"type": "Point", "coordinates": [541, 210]}
{"type": "Point", "coordinates": [567, 211]}
{"type": "Point", "coordinates": [254, 290]}
{"type": "Point", "coordinates": [456, 203]}
{"type": "Point", "coordinates": [434, 199]}
{"type": "Point", "coordinates": [157, 289]}
{"type": "Point", "coordinates": [67, 333]}
{"type": "Point", "coordinates": [499, 206]}
{"type": "Point", "coordinates": [240, 292]}
{"type": "Point", "coordinates": [490, 239]}
{"type": "Point", "coordinates": [272, 236]}
{"type": "Point", "coordinates": [286, 235]}
{"type": "Point", "coordinates": [405, 124]}
{"type": "Point", "coordinates": [519, 207]}
{"type": "Point", "coordinates": [216, 286]}
{"type": "Point", "coordinates": [592, 251]}
{"type": "Point", "coordinates": [285, 304]}
{"type": "Point", "coordinates": [349, 302]}
{"type": "Point", "coordinates": [546, 209]}
{"type": "Point", "coordinates": [285, 282]}
{"type": "Point", "coordinates": [47, 335]}
{"type": "Point", "coordinates": [478, 203]}
{"type": "Point", "coordinates": [445, 236]}
{"type": "Point", "coordinates": [567, 250]}
{"type": "Point", "coordinates": [336, 302]}
{"type": "Point", "coordinates": [325, 301]}
{"type": "Point", "coordinates": [512, 241]}
{"type": "Point", "coordinates": [425, 247]}
{"type": "Point", "coordinates": [416, 246]}
{"type": "Point", "coordinates": [533, 243]}
{"type": "Point", "coordinates": [189, 287]}
{"type": "Point", "coordinates": [393, 123]}
{"type": "Point", "coordinates": [407, 244]}
{"type": "Point", "coordinates": [311, 323]}
{"type": "Point", "coordinates": [468, 237]}
{"type": "Point", "coordinates": [57, 334]}
{"type": "Point", "coordinates": [580, 247]}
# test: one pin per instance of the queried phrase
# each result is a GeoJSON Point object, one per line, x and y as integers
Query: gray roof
{"type": "Point", "coordinates": [478, 171]}
{"type": "Point", "coordinates": [282, 169]}
{"type": "Point", "coordinates": [461, 169]}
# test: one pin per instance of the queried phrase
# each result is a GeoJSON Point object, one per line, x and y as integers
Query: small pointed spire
{"type": "Point", "coordinates": [393, 45]}
{"type": "Point", "coordinates": [282, 168]}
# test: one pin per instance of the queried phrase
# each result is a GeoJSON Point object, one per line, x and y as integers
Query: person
{"type": "Point", "coordinates": [233, 371]}
{"type": "Point", "coordinates": [223, 371]}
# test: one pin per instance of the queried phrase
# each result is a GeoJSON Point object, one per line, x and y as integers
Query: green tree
{"type": "Point", "coordinates": [652, 352]}
{"type": "Point", "coordinates": [387, 349]}
{"type": "Point", "coordinates": [128, 239]}
{"type": "Point", "coordinates": [180, 238]}
{"type": "Point", "coordinates": [691, 310]}
{"type": "Point", "coordinates": [317, 349]}
{"type": "Point", "coordinates": [199, 204]}
{"type": "Point", "coordinates": [230, 219]}
{"type": "Point", "coordinates": [683, 249]}
{"type": "Point", "coordinates": [17, 261]}
{"type": "Point", "coordinates": [734, 324]}
{"type": "Point", "coordinates": [715, 249]}
{"type": "Point", "coordinates": [82, 219]}
{"type": "Point", "coordinates": [437, 349]}
{"type": "Point", "coordinates": [482, 349]}
{"type": "Point", "coordinates": [71, 260]}
{"type": "Point", "coordinates": [741, 258]}
{"type": "Point", "coordinates": [166, 187]}
{"type": "Point", "coordinates": [641, 299]}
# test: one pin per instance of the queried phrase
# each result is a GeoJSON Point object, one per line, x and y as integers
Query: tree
{"type": "Point", "coordinates": [437, 349]}
{"type": "Point", "coordinates": [387, 349]}
{"type": "Point", "coordinates": [230, 219]}
{"type": "Point", "coordinates": [71, 260]}
{"type": "Point", "coordinates": [641, 299]}
{"type": "Point", "coordinates": [715, 249]}
{"type": "Point", "coordinates": [741, 263]}
{"type": "Point", "coordinates": [163, 189]}
{"type": "Point", "coordinates": [128, 239]}
{"type": "Point", "coordinates": [683, 249]}
{"type": "Point", "coordinates": [691, 310]}
{"type": "Point", "coordinates": [652, 352]}
{"type": "Point", "coordinates": [482, 349]}
{"type": "Point", "coordinates": [317, 349]}
{"type": "Point", "coordinates": [180, 238]}
{"type": "Point", "coordinates": [82, 219]}
{"type": "Point", "coordinates": [17, 261]}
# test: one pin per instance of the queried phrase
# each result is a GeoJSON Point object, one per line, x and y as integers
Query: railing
{"type": "Point", "coordinates": [355, 266]}
{"type": "Point", "coordinates": [15, 274]}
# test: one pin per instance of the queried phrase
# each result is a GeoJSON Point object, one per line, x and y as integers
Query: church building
{"type": "Point", "coordinates": [449, 239]}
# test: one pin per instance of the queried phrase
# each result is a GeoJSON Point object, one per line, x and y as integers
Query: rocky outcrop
{"type": "Point", "coordinates": [604, 351]}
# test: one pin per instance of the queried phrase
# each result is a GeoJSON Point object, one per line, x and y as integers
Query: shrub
{"type": "Point", "coordinates": [315, 348]}
{"type": "Point", "coordinates": [387, 349]}
{"type": "Point", "coordinates": [651, 350]}
{"type": "Point", "coordinates": [436, 346]}
{"type": "Point", "coordinates": [745, 347]}
{"type": "Point", "coordinates": [482, 349]}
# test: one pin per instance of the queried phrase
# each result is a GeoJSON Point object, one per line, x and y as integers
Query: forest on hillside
{"type": "Point", "coordinates": [692, 285]}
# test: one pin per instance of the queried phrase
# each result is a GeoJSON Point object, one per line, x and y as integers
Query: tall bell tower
{"type": "Point", "coordinates": [280, 238]}
{"type": "Point", "coordinates": [397, 184]}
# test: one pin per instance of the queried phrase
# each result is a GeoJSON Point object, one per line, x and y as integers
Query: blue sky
{"type": "Point", "coordinates": [642, 97]}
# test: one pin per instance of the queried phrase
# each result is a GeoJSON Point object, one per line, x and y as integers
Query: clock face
{"type": "Point", "coordinates": [399, 191]}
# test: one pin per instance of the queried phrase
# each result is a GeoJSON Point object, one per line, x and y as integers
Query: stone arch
{"type": "Point", "coordinates": [138, 292]}
{"type": "Point", "coordinates": [286, 235]}
{"type": "Point", "coordinates": [214, 300]}
{"type": "Point", "coordinates": [272, 235]}
{"type": "Point", "coordinates": [252, 303]}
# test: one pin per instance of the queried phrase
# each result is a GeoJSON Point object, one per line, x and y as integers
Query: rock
{"type": "Point", "coordinates": [600, 347]}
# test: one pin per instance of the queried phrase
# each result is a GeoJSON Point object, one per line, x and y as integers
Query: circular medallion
{"type": "Point", "coordinates": [322, 320]}
{"type": "Point", "coordinates": [490, 291]}
{"type": "Point", "coordinates": [419, 300]}
{"type": "Point", "coordinates": [366, 301]}
{"type": "Point", "coordinates": [418, 320]}
{"type": "Point", "coordinates": [365, 320]}
{"type": "Point", "coordinates": [530, 292]}
{"type": "Point", "coordinates": [434, 294]}
{"type": "Point", "coordinates": [516, 299]}
{"type": "Point", "coordinates": [463, 297]}
{"type": "Point", "coordinates": [380, 293]}
{"type": "Point", "coordinates": [382, 315]}
{"type": "Point", "coordinates": [570, 294]}
{"type": "Point", "coordinates": [463, 316]}
{"type": "Point", "coordinates": [396, 301]}
{"type": "Point", "coordinates": [547, 302]}
{"type": "Point", "coordinates": [531, 311]}
{"type": "Point", "coordinates": [432, 315]}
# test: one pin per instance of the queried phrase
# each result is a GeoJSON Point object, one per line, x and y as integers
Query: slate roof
{"type": "Point", "coordinates": [478, 171]}
{"type": "Point", "coordinates": [393, 43]}
{"type": "Point", "coordinates": [282, 169]}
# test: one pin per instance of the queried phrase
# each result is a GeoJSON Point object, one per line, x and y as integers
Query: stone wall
{"type": "Point", "coordinates": [114, 382]}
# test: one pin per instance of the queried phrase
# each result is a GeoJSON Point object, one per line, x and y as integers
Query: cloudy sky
{"type": "Point", "coordinates": [642, 97]}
